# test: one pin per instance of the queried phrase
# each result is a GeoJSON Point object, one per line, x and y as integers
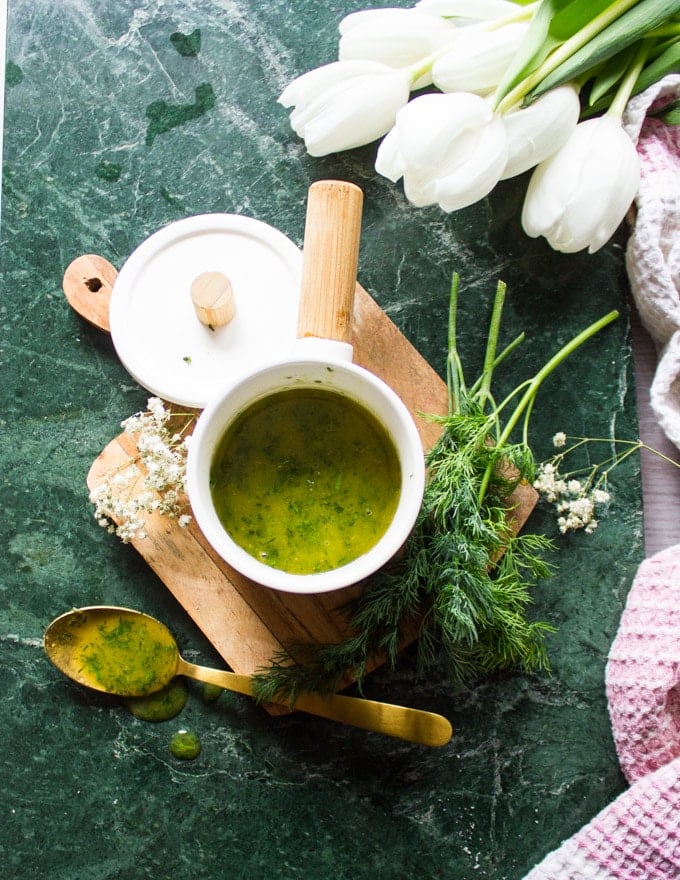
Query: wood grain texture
{"type": "Point", "coordinates": [248, 623]}
{"type": "Point", "coordinates": [330, 259]}
{"type": "Point", "coordinates": [88, 283]}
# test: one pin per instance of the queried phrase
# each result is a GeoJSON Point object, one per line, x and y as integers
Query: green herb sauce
{"type": "Point", "coordinates": [126, 656]}
{"type": "Point", "coordinates": [161, 706]}
{"type": "Point", "coordinates": [185, 745]}
{"type": "Point", "coordinates": [210, 693]}
{"type": "Point", "coordinates": [306, 480]}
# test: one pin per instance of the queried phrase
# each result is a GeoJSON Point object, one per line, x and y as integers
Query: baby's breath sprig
{"type": "Point", "coordinates": [161, 436]}
{"type": "Point", "coordinates": [577, 493]}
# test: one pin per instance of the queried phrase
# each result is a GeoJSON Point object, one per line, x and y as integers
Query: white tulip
{"type": "Point", "coordinates": [478, 58]}
{"type": "Point", "coordinates": [478, 10]}
{"type": "Point", "coordinates": [539, 130]}
{"type": "Point", "coordinates": [396, 37]}
{"type": "Point", "coordinates": [345, 104]}
{"type": "Point", "coordinates": [450, 150]}
{"type": "Point", "coordinates": [578, 197]}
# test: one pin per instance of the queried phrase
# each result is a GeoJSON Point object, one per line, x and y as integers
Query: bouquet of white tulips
{"type": "Point", "coordinates": [509, 86]}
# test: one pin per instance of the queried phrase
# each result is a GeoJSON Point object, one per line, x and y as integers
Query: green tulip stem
{"type": "Point", "coordinates": [526, 403]}
{"type": "Point", "coordinates": [424, 65]}
{"type": "Point", "coordinates": [625, 89]}
{"type": "Point", "coordinates": [523, 13]}
{"type": "Point", "coordinates": [563, 52]}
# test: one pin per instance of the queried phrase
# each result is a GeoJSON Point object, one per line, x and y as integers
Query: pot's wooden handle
{"type": "Point", "coordinates": [88, 282]}
{"type": "Point", "coordinates": [330, 257]}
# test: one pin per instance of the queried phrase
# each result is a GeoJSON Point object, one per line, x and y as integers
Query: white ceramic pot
{"type": "Point", "coordinates": [321, 358]}
{"type": "Point", "coordinates": [308, 370]}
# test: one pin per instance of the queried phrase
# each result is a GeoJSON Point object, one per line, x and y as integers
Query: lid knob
{"type": "Point", "coordinates": [213, 299]}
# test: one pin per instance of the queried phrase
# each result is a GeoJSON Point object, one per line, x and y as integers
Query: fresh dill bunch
{"type": "Point", "coordinates": [464, 578]}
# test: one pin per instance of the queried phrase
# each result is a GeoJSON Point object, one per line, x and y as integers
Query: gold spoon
{"type": "Point", "coordinates": [128, 653]}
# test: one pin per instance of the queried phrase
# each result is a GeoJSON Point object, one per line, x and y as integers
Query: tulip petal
{"type": "Point", "coordinates": [449, 148]}
{"type": "Point", "coordinates": [345, 104]}
{"type": "Point", "coordinates": [539, 130]}
{"type": "Point", "coordinates": [389, 160]}
{"type": "Point", "coordinates": [477, 59]}
{"type": "Point", "coordinates": [396, 37]}
{"type": "Point", "coordinates": [578, 197]}
{"type": "Point", "coordinates": [433, 125]}
{"type": "Point", "coordinates": [312, 83]}
{"type": "Point", "coordinates": [478, 10]}
{"type": "Point", "coordinates": [474, 179]}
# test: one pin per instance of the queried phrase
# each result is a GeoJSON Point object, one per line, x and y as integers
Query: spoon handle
{"type": "Point", "coordinates": [402, 722]}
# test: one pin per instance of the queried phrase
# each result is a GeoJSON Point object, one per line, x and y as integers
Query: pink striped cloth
{"type": "Point", "coordinates": [643, 671]}
{"type": "Point", "coordinates": [637, 837]}
{"type": "Point", "coordinates": [653, 249]}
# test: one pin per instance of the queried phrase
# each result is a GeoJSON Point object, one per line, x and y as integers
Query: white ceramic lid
{"type": "Point", "coordinates": [154, 326]}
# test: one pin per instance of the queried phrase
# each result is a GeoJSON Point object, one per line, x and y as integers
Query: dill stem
{"type": "Point", "coordinates": [491, 345]}
{"type": "Point", "coordinates": [535, 384]}
{"type": "Point", "coordinates": [453, 367]}
{"type": "Point", "coordinates": [499, 360]}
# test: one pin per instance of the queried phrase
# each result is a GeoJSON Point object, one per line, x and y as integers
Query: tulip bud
{"type": "Point", "coordinates": [449, 149]}
{"type": "Point", "coordinates": [539, 130]}
{"type": "Point", "coordinates": [345, 104]}
{"type": "Point", "coordinates": [477, 58]}
{"type": "Point", "coordinates": [578, 197]}
{"type": "Point", "coordinates": [396, 37]}
{"type": "Point", "coordinates": [474, 10]}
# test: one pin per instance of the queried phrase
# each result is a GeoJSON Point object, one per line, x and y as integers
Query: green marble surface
{"type": "Point", "coordinates": [120, 118]}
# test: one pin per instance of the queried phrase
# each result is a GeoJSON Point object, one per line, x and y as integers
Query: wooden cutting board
{"type": "Point", "coordinates": [247, 623]}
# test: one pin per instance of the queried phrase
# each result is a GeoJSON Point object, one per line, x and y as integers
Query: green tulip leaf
{"type": "Point", "coordinates": [553, 22]}
{"type": "Point", "coordinates": [574, 16]}
{"type": "Point", "coordinates": [610, 73]}
{"type": "Point", "coordinates": [663, 61]}
{"type": "Point", "coordinates": [624, 31]}
{"type": "Point", "coordinates": [669, 114]}
{"type": "Point", "coordinates": [667, 61]}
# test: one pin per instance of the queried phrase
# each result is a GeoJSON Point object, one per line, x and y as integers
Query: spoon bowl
{"type": "Point", "coordinates": [128, 653]}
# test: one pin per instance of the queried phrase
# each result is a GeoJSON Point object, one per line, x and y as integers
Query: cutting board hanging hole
{"type": "Point", "coordinates": [88, 284]}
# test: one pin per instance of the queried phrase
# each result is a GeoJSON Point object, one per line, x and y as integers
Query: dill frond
{"type": "Point", "coordinates": [464, 577]}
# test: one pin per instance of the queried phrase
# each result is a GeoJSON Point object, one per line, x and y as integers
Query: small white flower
{"type": "Point", "coordinates": [600, 496]}
{"type": "Point", "coordinates": [162, 456]}
{"type": "Point", "coordinates": [157, 409]}
{"type": "Point", "coordinates": [559, 440]}
{"type": "Point", "coordinates": [582, 508]}
{"type": "Point", "coordinates": [574, 487]}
